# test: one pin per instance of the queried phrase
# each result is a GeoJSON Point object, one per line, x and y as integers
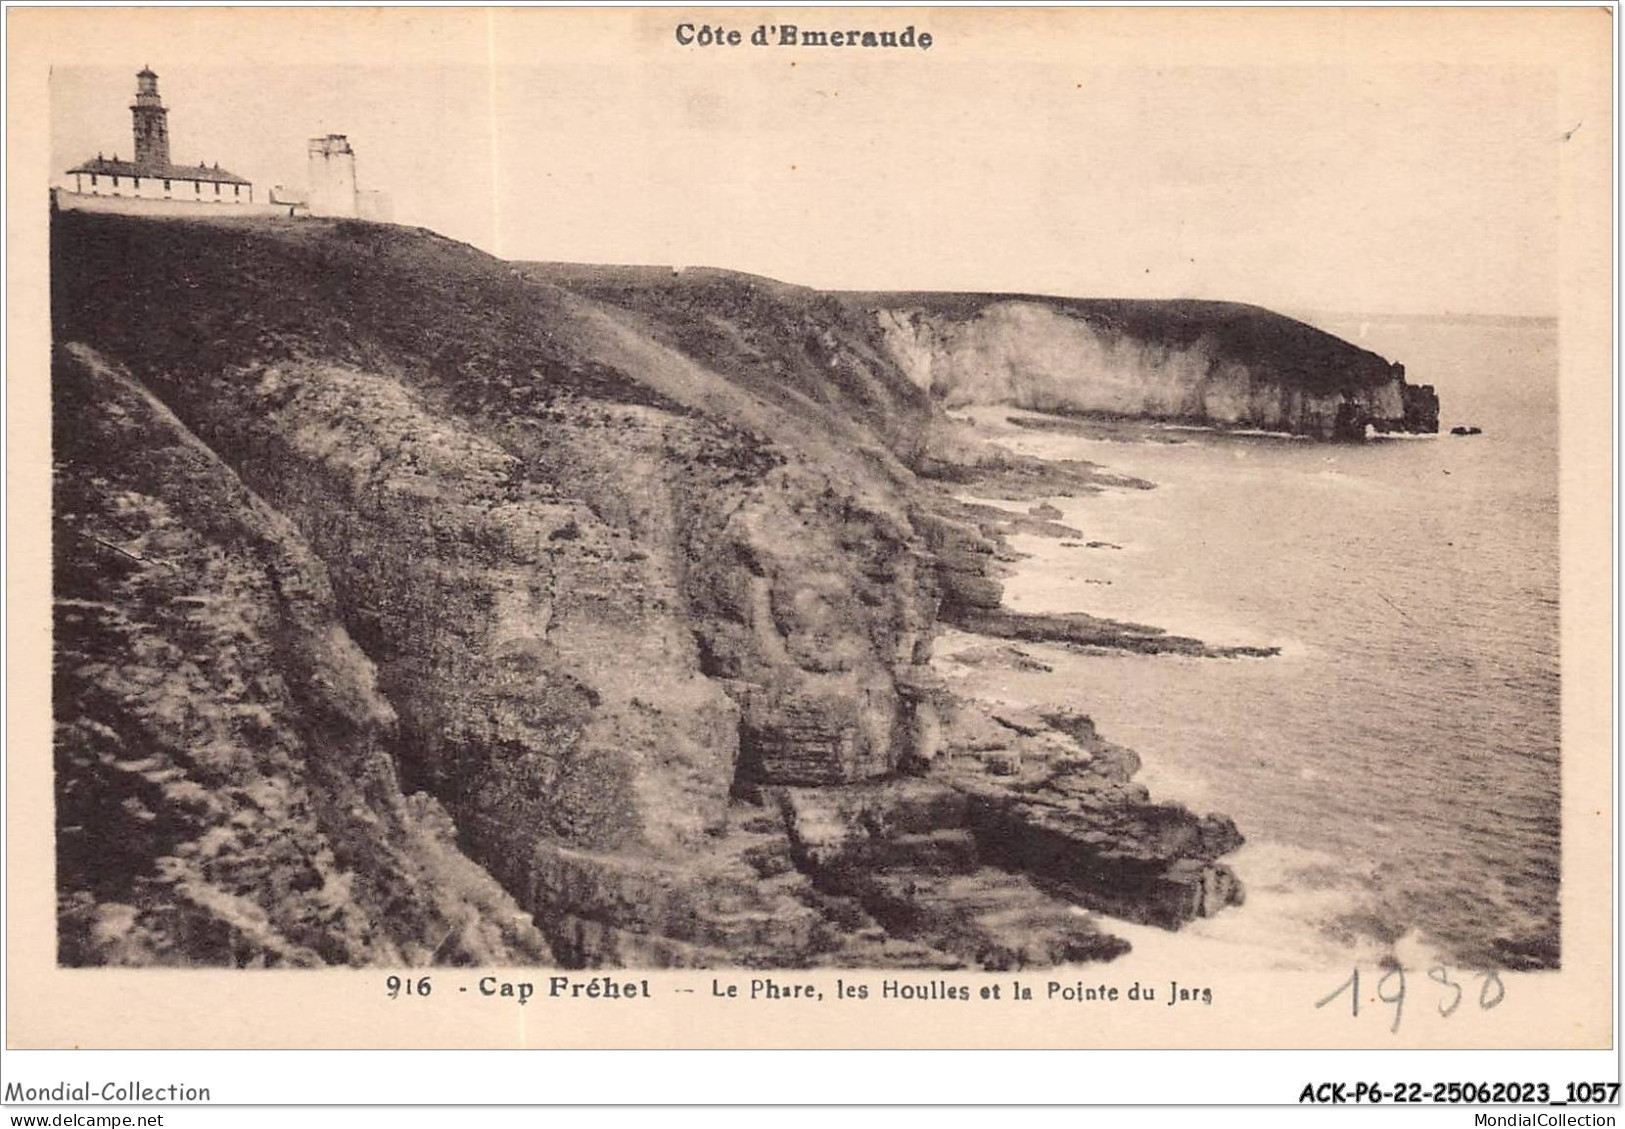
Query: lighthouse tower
{"type": "Point", "coordinates": [151, 184]}
{"type": "Point", "coordinates": [151, 123]}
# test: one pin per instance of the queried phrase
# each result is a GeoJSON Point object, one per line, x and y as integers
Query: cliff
{"type": "Point", "coordinates": [225, 789]}
{"type": "Point", "coordinates": [1206, 363]}
{"type": "Point", "coordinates": [416, 606]}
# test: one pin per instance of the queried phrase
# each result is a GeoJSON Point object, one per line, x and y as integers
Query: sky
{"type": "Point", "coordinates": [1034, 156]}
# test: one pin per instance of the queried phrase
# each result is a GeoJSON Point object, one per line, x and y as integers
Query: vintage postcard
{"type": "Point", "coordinates": [828, 528]}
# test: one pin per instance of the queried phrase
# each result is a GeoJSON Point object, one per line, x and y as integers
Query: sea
{"type": "Point", "coordinates": [1396, 768]}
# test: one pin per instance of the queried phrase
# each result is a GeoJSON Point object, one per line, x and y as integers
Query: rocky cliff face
{"type": "Point", "coordinates": [226, 782]}
{"type": "Point", "coordinates": [414, 606]}
{"type": "Point", "coordinates": [1205, 363]}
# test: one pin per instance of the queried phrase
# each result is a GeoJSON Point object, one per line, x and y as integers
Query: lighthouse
{"type": "Point", "coordinates": [153, 184]}
{"type": "Point", "coordinates": [110, 184]}
{"type": "Point", "coordinates": [151, 122]}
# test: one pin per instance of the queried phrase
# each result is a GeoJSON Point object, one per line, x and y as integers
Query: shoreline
{"type": "Point", "coordinates": [1314, 893]}
{"type": "Point", "coordinates": [1278, 924]}
{"type": "Point", "coordinates": [976, 655]}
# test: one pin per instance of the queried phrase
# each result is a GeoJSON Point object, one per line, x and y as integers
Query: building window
{"type": "Point", "coordinates": [115, 180]}
{"type": "Point", "coordinates": [197, 186]}
{"type": "Point", "coordinates": [137, 181]}
{"type": "Point", "coordinates": [93, 180]}
{"type": "Point", "coordinates": [236, 190]}
{"type": "Point", "coordinates": [166, 186]}
{"type": "Point", "coordinates": [217, 188]}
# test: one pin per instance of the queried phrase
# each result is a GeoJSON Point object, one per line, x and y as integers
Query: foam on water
{"type": "Point", "coordinates": [1291, 893]}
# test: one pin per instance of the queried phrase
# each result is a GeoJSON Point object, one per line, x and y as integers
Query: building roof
{"type": "Point", "coordinates": [114, 167]}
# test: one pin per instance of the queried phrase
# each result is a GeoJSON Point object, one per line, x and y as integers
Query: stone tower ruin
{"type": "Point", "coordinates": [332, 176]}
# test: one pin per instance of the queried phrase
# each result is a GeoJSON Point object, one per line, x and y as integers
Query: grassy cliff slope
{"type": "Point", "coordinates": [616, 592]}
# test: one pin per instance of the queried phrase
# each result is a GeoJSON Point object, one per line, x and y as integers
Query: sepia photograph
{"type": "Point", "coordinates": [839, 505]}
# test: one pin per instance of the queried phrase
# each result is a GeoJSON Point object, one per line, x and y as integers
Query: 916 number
{"type": "Point", "coordinates": [1391, 990]}
{"type": "Point", "coordinates": [398, 986]}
